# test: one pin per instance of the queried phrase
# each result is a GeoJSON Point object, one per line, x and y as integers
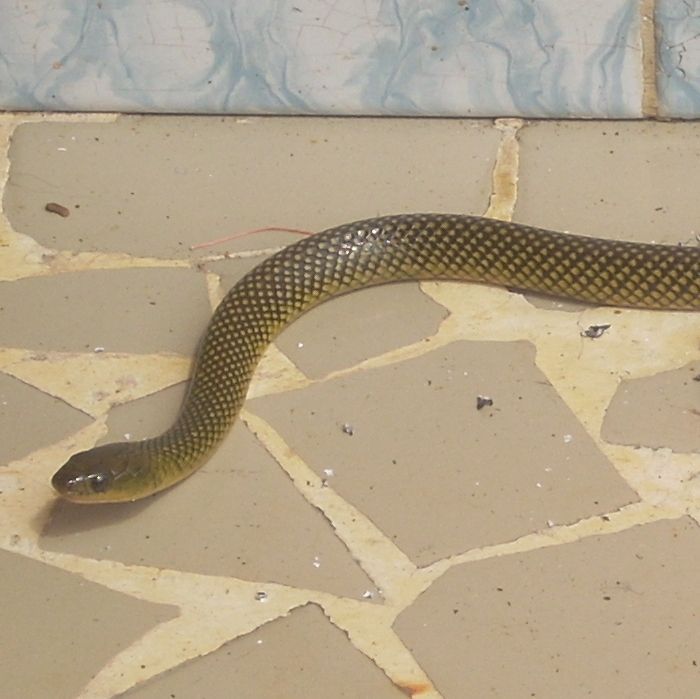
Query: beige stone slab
{"type": "Point", "coordinates": [657, 411]}
{"type": "Point", "coordinates": [58, 630]}
{"type": "Point", "coordinates": [626, 180]}
{"type": "Point", "coordinates": [184, 181]}
{"type": "Point", "coordinates": [129, 310]}
{"type": "Point", "coordinates": [360, 325]}
{"type": "Point", "coordinates": [231, 270]}
{"type": "Point", "coordinates": [407, 445]}
{"type": "Point", "coordinates": [145, 417]}
{"type": "Point", "coordinates": [613, 616]}
{"type": "Point", "coordinates": [50, 419]}
{"type": "Point", "coordinates": [277, 660]}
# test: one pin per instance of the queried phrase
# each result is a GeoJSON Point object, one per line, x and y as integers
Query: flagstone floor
{"type": "Point", "coordinates": [365, 530]}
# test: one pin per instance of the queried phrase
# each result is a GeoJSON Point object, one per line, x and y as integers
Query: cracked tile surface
{"type": "Point", "coordinates": [362, 498]}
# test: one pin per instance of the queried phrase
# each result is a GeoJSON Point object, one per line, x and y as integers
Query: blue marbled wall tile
{"type": "Point", "coordinates": [445, 57]}
{"type": "Point", "coordinates": [540, 59]}
{"type": "Point", "coordinates": [678, 78]}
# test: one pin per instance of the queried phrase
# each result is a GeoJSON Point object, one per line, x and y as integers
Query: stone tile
{"type": "Point", "coordinates": [187, 181]}
{"type": "Point", "coordinates": [231, 270]}
{"type": "Point", "coordinates": [608, 616]}
{"type": "Point", "coordinates": [657, 411]}
{"type": "Point", "coordinates": [355, 327]}
{"type": "Point", "coordinates": [63, 628]}
{"type": "Point", "coordinates": [125, 310]}
{"type": "Point", "coordinates": [146, 417]}
{"type": "Point", "coordinates": [564, 163]}
{"type": "Point", "coordinates": [50, 418]}
{"type": "Point", "coordinates": [421, 452]}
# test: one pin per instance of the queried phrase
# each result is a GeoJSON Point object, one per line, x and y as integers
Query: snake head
{"type": "Point", "coordinates": [101, 474]}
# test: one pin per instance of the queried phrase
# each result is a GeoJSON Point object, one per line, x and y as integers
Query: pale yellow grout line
{"type": "Point", "coordinates": [70, 376]}
{"type": "Point", "coordinates": [501, 205]}
{"type": "Point", "coordinates": [215, 293]}
{"type": "Point", "coordinates": [213, 611]}
{"type": "Point", "coordinates": [21, 256]}
{"type": "Point", "coordinates": [372, 634]}
{"type": "Point", "coordinates": [636, 466]}
{"type": "Point", "coordinates": [615, 522]}
{"type": "Point", "coordinates": [627, 517]}
{"type": "Point", "coordinates": [649, 58]}
{"type": "Point", "coordinates": [239, 254]}
{"type": "Point", "coordinates": [502, 200]}
{"type": "Point", "coordinates": [385, 564]}
{"type": "Point", "coordinates": [504, 178]}
{"type": "Point", "coordinates": [404, 353]}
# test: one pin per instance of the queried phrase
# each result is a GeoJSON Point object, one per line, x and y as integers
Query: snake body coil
{"type": "Point", "coordinates": [359, 255]}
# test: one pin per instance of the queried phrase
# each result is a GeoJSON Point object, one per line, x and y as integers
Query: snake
{"type": "Point", "coordinates": [403, 247]}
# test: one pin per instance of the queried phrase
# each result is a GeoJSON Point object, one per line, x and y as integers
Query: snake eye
{"type": "Point", "coordinates": [99, 482]}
